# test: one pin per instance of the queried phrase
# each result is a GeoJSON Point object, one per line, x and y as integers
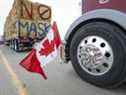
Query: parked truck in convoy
{"type": "Point", "coordinates": [26, 23]}
{"type": "Point", "coordinates": [96, 43]}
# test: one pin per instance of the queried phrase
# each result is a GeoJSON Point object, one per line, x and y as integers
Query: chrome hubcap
{"type": "Point", "coordinates": [95, 55]}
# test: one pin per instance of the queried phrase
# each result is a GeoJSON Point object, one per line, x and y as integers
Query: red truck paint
{"type": "Point", "coordinates": [89, 5]}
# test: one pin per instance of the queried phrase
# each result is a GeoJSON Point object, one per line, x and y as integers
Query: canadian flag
{"type": "Point", "coordinates": [44, 52]}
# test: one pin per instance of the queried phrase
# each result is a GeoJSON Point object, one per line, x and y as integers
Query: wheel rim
{"type": "Point", "coordinates": [95, 55]}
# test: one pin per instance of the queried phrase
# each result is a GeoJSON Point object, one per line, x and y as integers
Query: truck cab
{"type": "Point", "coordinates": [95, 43]}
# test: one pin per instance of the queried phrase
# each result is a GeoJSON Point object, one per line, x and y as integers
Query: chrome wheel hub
{"type": "Point", "coordinates": [95, 55]}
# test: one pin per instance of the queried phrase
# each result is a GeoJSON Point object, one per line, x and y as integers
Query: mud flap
{"type": "Point", "coordinates": [62, 54]}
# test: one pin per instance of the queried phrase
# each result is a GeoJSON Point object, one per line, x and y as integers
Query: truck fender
{"type": "Point", "coordinates": [107, 14]}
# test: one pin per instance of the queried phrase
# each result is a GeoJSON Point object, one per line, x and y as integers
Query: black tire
{"type": "Point", "coordinates": [15, 45]}
{"type": "Point", "coordinates": [115, 37]}
{"type": "Point", "coordinates": [11, 44]}
{"type": "Point", "coordinates": [7, 43]}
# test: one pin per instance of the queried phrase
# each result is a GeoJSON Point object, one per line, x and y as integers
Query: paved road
{"type": "Point", "coordinates": [62, 80]}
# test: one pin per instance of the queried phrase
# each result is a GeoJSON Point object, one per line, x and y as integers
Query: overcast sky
{"type": "Point", "coordinates": [64, 12]}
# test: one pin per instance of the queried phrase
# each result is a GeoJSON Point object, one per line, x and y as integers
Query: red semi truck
{"type": "Point", "coordinates": [96, 43]}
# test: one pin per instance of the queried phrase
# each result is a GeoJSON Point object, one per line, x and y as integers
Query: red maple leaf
{"type": "Point", "coordinates": [48, 47]}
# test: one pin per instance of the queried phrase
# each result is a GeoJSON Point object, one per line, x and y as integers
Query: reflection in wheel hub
{"type": "Point", "coordinates": [92, 56]}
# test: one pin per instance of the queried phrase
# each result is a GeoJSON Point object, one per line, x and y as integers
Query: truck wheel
{"type": "Point", "coordinates": [16, 45]}
{"type": "Point", "coordinates": [11, 44]}
{"type": "Point", "coordinates": [98, 54]}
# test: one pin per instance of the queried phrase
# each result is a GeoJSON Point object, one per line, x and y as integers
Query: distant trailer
{"type": "Point", "coordinates": [26, 24]}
